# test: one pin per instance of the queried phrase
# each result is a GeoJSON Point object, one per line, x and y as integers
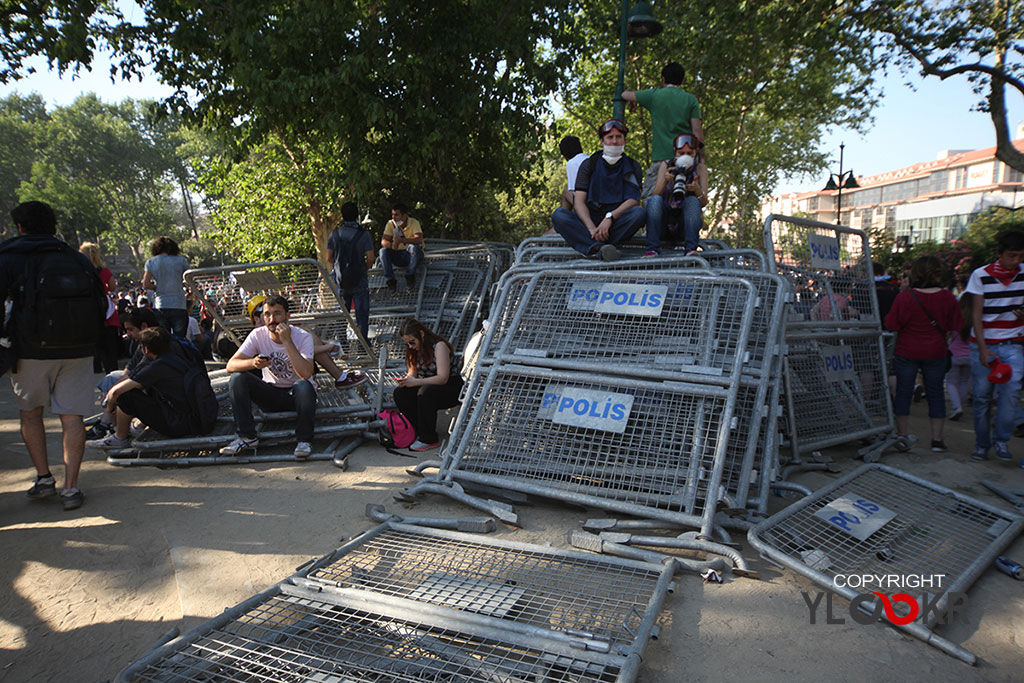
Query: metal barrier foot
{"type": "Point", "coordinates": [587, 541]}
{"type": "Point", "coordinates": [686, 541]}
{"type": "Point", "coordinates": [476, 525]}
{"type": "Point", "coordinates": [426, 464]}
{"type": "Point", "coordinates": [340, 456]}
{"type": "Point", "coordinates": [502, 511]}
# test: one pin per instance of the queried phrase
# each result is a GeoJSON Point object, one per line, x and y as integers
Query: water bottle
{"type": "Point", "coordinates": [1010, 568]}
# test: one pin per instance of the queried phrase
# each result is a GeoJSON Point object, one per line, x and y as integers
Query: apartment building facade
{"type": "Point", "coordinates": [932, 200]}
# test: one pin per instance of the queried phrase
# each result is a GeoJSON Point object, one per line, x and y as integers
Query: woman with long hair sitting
{"type": "Point", "coordinates": [432, 382]}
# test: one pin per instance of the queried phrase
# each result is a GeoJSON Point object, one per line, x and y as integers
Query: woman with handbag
{"type": "Point", "coordinates": [432, 382]}
{"type": "Point", "coordinates": [923, 316]}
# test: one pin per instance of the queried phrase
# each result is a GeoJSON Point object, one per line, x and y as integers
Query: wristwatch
{"type": "Point", "coordinates": [609, 215]}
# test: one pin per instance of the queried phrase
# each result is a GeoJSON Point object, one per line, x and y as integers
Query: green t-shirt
{"type": "Point", "coordinates": [671, 109]}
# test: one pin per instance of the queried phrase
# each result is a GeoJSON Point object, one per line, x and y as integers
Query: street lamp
{"type": "Point", "coordinates": [637, 23]}
{"type": "Point", "coordinates": [840, 181]}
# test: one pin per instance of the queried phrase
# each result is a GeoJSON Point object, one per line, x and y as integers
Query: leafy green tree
{"type": "Point", "coordinates": [98, 165]}
{"type": "Point", "coordinates": [21, 120]}
{"type": "Point", "coordinates": [775, 76]}
{"type": "Point", "coordinates": [981, 40]}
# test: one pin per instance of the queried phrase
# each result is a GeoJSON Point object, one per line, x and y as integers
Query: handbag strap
{"type": "Point", "coordinates": [930, 318]}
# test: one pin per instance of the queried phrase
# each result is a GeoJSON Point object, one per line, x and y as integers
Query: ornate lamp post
{"type": "Point", "coordinates": [638, 23]}
{"type": "Point", "coordinates": [840, 181]}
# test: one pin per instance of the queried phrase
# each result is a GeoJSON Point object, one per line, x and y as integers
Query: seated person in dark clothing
{"type": "Point", "coordinates": [206, 336]}
{"type": "Point", "coordinates": [154, 393]}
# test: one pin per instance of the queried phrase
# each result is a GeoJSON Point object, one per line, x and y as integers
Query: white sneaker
{"type": "Point", "coordinates": [136, 429]}
{"type": "Point", "coordinates": [302, 450]}
{"type": "Point", "coordinates": [239, 445]}
{"type": "Point", "coordinates": [418, 445]}
{"type": "Point", "coordinates": [109, 442]}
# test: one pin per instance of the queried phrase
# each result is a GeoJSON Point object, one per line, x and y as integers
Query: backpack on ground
{"type": "Point", "coordinates": [60, 304]}
{"type": "Point", "coordinates": [351, 263]}
{"type": "Point", "coordinates": [202, 401]}
{"type": "Point", "coordinates": [397, 431]}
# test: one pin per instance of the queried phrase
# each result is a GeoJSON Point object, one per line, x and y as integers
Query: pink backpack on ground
{"type": "Point", "coordinates": [397, 432]}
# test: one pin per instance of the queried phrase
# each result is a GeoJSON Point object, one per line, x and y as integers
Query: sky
{"type": "Point", "coordinates": [912, 124]}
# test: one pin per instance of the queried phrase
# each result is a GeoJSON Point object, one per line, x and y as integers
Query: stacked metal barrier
{"type": "Point", "coordinates": [406, 603]}
{"type": "Point", "coordinates": [694, 383]}
{"type": "Point", "coordinates": [835, 374]}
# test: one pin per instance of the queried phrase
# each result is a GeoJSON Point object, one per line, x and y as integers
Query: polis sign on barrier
{"type": "Point", "coordinates": [824, 252]}
{"type": "Point", "coordinates": [838, 362]}
{"type": "Point", "coordinates": [618, 298]}
{"type": "Point", "coordinates": [856, 515]}
{"type": "Point", "coordinates": [603, 410]}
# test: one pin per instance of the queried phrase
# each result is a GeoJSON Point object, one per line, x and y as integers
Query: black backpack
{"type": "Point", "coordinates": [202, 401]}
{"type": "Point", "coordinates": [351, 262]}
{"type": "Point", "coordinates": [60, 304]}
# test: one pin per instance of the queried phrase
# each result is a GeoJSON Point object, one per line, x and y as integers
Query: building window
{"type": "Point", "coordinates": [812, 204]}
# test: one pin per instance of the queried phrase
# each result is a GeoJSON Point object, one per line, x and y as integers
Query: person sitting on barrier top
{"type": "Point", "coordinates": [285, 355]}
{"type": "Point", "coordinates": [679, 194]}
{"type": "Point", "coordinates": [153, 392]}
{"type": "Point", "coordinates": [401, 245]}
{"type": "Point", "coordinates": [322, 351]}
{"type": "Point", "coordinates": [572, 152]}
{"type": "Point", "coordinates": [606, 199]}
{"type": "Point", "coordinates": [432, 382]}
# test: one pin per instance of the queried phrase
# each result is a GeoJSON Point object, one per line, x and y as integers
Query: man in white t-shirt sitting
{"type": "Point", "coordinates": [284, 353]}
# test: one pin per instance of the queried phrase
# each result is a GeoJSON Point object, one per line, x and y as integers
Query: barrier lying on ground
{"type": "Point", "coordinates": [406, 603]}
{"type": "Point", "coordinates": [835, 376]}
{"type": "Point", "coordinates": [912, 536]}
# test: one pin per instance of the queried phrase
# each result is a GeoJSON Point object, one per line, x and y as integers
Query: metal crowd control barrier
{"type": "Point", "coordinates": [835, 374]}
{"type": "Point", "coordinates": [316, 303]}
{"type": "Point", "coordinates": [554, 240]}
{"type": "Point", "coordinates": [343, 418]}
{"type": "Point", "coordinates": [406, 603]}
{"type": "Point", "coordinates": [881, 523]}
{"type": "Point", "coordinates": [563, 253]}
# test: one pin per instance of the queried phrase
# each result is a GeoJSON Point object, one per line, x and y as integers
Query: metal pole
{"type": "Point", "coordinates": [619, 104]}
{"type": "Point", "coordinates": [839, 201]}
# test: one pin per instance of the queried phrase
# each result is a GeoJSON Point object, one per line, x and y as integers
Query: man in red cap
{"type": "Point", "coordinates": [998, 331]}
{"type": "Point", "coordinates": [606, 199]}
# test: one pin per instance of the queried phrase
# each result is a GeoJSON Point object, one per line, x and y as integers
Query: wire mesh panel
{"type": "Point", "coordinates": [745, 259]}
{"type": "Point", "coordinates": [836, 388]}
{"type": "Point", "coordinates": [290, 638]}
{"type": "Point", "coordinates": [405, 603]}
{"type": "Point", "coordinates": [878, 521]}
{"type": "Point", "coordinates": [610, 442]}
{"type": "Point", "coordinates": [564, 592]}
{"type": "Point", "coordinates": [227, 290]}
{"type": "Point", "coordinates": [829, 267]}
{"type": "Point", "coordinates": [652, 324]}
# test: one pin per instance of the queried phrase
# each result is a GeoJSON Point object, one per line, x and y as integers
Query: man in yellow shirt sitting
{"type": "Point", "coordinates": [401, 245]}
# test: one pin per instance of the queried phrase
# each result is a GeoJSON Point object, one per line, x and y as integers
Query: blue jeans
{"type": "Point", "coordinates": [246, 388]}
{"type": "Point", "coordinates": [933, 371]}
{"type": "Point", "coordinates": [576, 235]}
{"type": "Point", "coordinates": [1007, 395]}
{"type": "Point", "coordinates": [689, 220]}
{"type": "Point", "coordinates": [409, 257]}
{"type": "Point", "coordinates": [174, 320]}
{"type": "Point", "coordinates": [361, 297]}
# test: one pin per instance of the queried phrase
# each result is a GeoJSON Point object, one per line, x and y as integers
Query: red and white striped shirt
{"type": "Point", "coordinates": [997, 317]}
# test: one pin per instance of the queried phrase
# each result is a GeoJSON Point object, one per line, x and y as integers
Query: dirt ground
{"type": "Point", "coordinates": [87, 592]}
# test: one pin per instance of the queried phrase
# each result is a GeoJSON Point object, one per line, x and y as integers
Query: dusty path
{"type": "Point", "coordinates": [86, 592]}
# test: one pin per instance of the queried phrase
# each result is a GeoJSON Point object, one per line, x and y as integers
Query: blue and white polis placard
{"type": "Point", "coordinates": [617, 297]}
{"type": "Point", "coordinates": [838, 363]}
{"type": "Point", "coordinates": [604, 410]}
{"type": "Point", "coordinates": [855, 515]}
{"type": "Point", "coordinates": [824, 252]}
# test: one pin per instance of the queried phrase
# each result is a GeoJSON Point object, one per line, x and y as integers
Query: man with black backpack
{"type": "Point", "coordinates": [350, 251]}
{"type": "Point", "coordinates": [170, 394]}
{"type": "Point", "coordinates": [59, 306]}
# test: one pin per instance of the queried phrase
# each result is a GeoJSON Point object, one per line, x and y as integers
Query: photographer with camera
{"type": "Point", "coordinates": [680, 192]}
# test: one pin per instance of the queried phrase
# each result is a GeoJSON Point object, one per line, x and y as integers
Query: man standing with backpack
{"type": "Point", "coordinates": [350, 251]}
{"type": "Point", "coordinates": [59, 306]}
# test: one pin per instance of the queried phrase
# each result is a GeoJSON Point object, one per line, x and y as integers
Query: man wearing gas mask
{"type": "Point", "coordinates": [606, 199]}
{"type": "Point", "coordinates": [679, 194]}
